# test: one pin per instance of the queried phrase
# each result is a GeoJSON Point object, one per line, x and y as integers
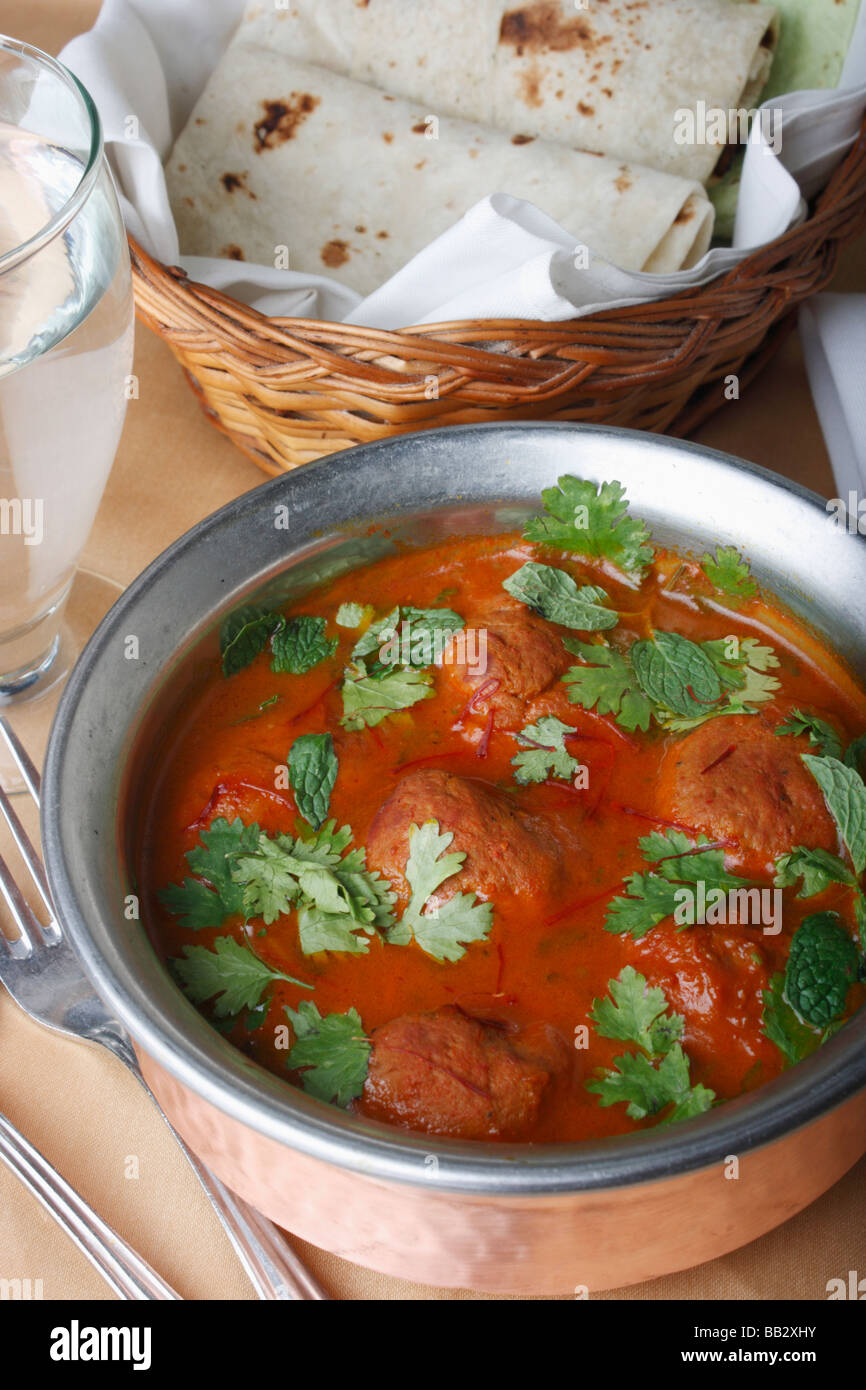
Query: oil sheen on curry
{"type": "Point", "coordinates": [531, 837]}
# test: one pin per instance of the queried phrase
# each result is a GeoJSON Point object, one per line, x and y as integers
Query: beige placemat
{"type": "Point", "coordinates": [80, 1107]}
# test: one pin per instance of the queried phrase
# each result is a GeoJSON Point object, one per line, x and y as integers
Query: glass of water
{"type": "Point", "coordinates": [66, 317]}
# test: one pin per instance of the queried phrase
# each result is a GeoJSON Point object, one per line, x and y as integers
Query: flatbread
{"type": "Point", "coordinates": [607, 76]}
{"type": "Point", "coordinates": [283, 161]}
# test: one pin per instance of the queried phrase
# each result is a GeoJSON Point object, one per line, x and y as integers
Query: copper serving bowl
{"type": "Point", "coordinates": [530, 1219]}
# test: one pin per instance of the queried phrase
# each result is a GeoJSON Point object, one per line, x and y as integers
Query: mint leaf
{"type": "Point", "coordinates": [555, 595]}
{"type": "Point", "coordinates": [408, 637]}
{"type": "Point", "coordinates": [591, 520]}
{"type": "Point", "coordinates": [427, 632]}
{"type": "Point", "coordinates": [816, 867]}
{"type": "Point", "coordinates": [606, 682]}
{"type": "Point", "coordinates": [743, 674]}
{"type": "Point", "coordinates": [313, 768]}
{"type": "Point", "coordinates": [380, 631]}
{"type": "Point", "coordinates": [822, 965]}
{"type": "Point", "coordinates": [845, 795]}
{"type": "Point", "coordinates": [244, 634]}
{"type": "Point", "coordinates": [794, 1039]}
{"type": "Point", "coordinates": [443, 931]}
{"type": "Point", "coordinates": [367, 700]}
{"type": "Point", "coordinates": [676, 674]}
{"type": "Point", "coordinates": [636, 1013]}
{"type": "Point", "coordinates": [332, 1053]}
{"type": "Point", "coordinates": [729, 572]}
{"type": "Point", "coordinates": [231, 972]}
{"type": "Point", "coordinates": [299, 645]}
{"type": "Point", "coordinates": [208, 903]}
{"type": "Point", "coordinates": [544, 753]}
{"type": "Point", "coordinates": [822, 736]}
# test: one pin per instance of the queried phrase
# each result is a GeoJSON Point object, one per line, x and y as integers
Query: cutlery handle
{"type": "Point", "coordinates": [271, 1264]}
{"type": "Point", "coordinates": [123, 1270]}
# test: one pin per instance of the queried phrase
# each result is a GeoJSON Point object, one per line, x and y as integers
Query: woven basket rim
{"type": "Point", "coordinates": [691, 300]}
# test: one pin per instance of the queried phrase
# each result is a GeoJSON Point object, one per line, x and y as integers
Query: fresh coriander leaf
{"type": "Point", "coordinates": [555, 595]}
{"type": "Point", "coordinates": [231, 974]}
{"type": "Point", "coordinates": [845, 795]}
{"type": "Point", "coordinates": [350, 615]}
{"type": "Point", "coordinates": [758, 687]}
{"type": "Point", "coordinates": [209, 903]}
{"type": "Point", "coordinates": [677, 859]}
{"type": "Point", "coordinates": [794, 1039]}
{"type": "Point", "coordinates": [822, 736]}
{"type": "Point", "coordinates": [636, 1012]}
{"type": "Point", "coordinates": [197, 905]}
{"type": "Point", "coordinates": [299, 645]}
{"type": "Point", "coordinates": [676, 674]}
{"type": "Point", "coordinates": [311, 875]}
{"type": "Point", "coordinates": [325, 846]}
{"type": "Point", "coordinates": [244, 634]}
{"type": "Point", "coordinates": [268, 879]}
{"type": "Point", "coordinates": [329, 931]}
{"type": "Point", "coordinates": [367, 700]}
{"type": "Point", "coordinates": [650, 898]}
{"type": "Point", "coordinates": [442, 931]}
{"type": "Point", "coordinates": [729, 572]}
{"type": "Point", "coordinates": [607, 682]}
{"type": "Point", "coordinates": [313, 768]}
{"type": "Point", "coordinates": [591, 520]}
{"type": "Point", "coordinates": [822, 965]}
{"type": "Point", "coordinates": [649, 1089]}
{"type": "Point", "coordinates": [753, 653]}
{"type": "Point", "coordinates": [856, 753]}
{"type": "Point", "coordinates": [445, 931]}
{"type": "Point", "coordinates": [544, 753]}
{"type": "Point", "coordinates": [428, 865]}
{"type": "Point", "coordinates": [332, 1053]}
{"type": "Point", "coordinates": [816, 867]}
{"type": "Point", "coordinates": [648, 1084]}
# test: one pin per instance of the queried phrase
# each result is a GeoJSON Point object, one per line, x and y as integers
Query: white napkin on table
{"type": "Point", "coordinates": [833, 335]}
{"type": "Point", "coordinates": [145, 63]}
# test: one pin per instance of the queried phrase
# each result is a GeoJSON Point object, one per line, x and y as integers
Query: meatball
{"type": "Point", "coordinates": [715, 979]}
{"type": "Point", "coordinates": [523, 655]}
{"type": "Point", "coordinates": [735, 779]}
{"type": "Point", "coordinates": [507, 848]}
{"type": "Point", "coordinates": [448, 1073]}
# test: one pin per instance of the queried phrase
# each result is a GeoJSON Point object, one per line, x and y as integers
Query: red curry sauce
{"type": "Point", "coordinates": [546, 960]}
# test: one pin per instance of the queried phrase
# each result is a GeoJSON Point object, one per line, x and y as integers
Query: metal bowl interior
{"type": "Point", "coordinates": [292, 533]}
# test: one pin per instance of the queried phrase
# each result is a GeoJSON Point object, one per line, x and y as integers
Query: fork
{"type": "Point", "coordinates": [43, 976]}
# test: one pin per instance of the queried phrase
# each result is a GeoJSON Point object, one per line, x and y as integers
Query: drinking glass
{"type": "Point", "coordinates": [66, 317]}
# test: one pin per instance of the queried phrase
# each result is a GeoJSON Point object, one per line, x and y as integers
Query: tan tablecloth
{"type": "Point", "coordinates": [79, 1106]}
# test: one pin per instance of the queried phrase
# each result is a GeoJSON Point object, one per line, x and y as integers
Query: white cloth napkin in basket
{"type": "Point", "coordinates": [145, 63]}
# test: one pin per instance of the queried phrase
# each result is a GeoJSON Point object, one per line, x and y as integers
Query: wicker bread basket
{"type": "Point", "coordinates": [287, 390]}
